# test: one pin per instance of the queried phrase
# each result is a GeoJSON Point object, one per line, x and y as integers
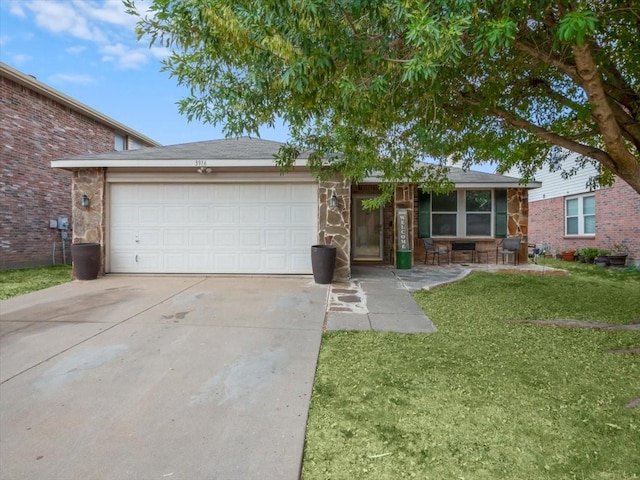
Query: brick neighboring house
{"type": "Point", "coordinates": [37, 125]}
{"type": "Point", "coordinates": [565, 215]}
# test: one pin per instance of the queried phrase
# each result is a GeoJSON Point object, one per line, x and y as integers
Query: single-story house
{"type": "Point", "coordinates": [222, 206]}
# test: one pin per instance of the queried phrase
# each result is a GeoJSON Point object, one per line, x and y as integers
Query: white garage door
{"type": "Point", "coordinates": [212, 228]}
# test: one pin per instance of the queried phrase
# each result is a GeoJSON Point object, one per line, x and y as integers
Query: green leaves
{"type": "Point", "coordinates": [577, 26]}
{"type": "Point", "coordinates": [497, 34]}
{"type": "Point", "coordinates": [391, 82]}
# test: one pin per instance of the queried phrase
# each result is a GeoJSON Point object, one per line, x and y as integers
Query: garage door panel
{"type": "Point", "coordinates": [153, 238]}
{"type": "Point", "coordinates": [226, 214]}
{"type": "Point", "coordinates": [175, 215]}
{"type": "Point", "coordinates": [198, 214]}
{"type": "Point", "coordinates": [301, 238]}
{"type": "Point", "coordinates": [175, 194]}
{"type": "Point", "coordinates": [199, 238]}
{"type": "Point", "coordinates": [150, 193]}
{"type": "Point", "coordinates": [149, 214]}
{"type": "Point", "coordinates": [275, 239]}
{"type": "Point", "coordinates": [225, 238]}
{"type": "Point", "coordinates": [175, 238]}
{"type": "Point", "coordinates": [124, 237]}
{"type": "Point", "coordinates": [250, 239]}
{"type": "Point", "coordinates": [276, 214]}
{"type": "Point", "coordinates": [122, 215]}
{"type": "Point", "coordinates": [225, 193]}
{"type": "Point", "coordinates": [253, 214]}
{"type": "Point", "coordinates": [212, 228]}
{"type": "Point", "coordinates": [225, 262]}
{"type": "Point", "coordinates": [276, 262]}
{"type": "Point", "coordinates": [303, 215]}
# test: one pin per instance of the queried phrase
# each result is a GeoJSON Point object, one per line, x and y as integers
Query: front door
{"type": "Point", "coordinates": [367, 231]}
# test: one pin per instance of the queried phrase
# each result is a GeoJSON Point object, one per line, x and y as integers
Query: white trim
{"type": "Point", "coordinates": [580, 215]}
{"type": "Point", "coordinates": [142, 163]}
{"type": "Point", "coordinates": [214, 177]}
{"type": "Point", "coordinates": [461, 214]}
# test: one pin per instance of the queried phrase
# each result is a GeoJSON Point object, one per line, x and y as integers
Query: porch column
{"type": "Point", "coordinates": [88, 222]}
{"type": "Point", "coordinates": [334, 224]}
{"type": "Point", "coordinates": [518, 218]}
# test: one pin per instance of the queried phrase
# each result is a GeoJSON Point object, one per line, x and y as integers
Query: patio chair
{"type": "Point", "coordinates": [508, 247]}
{"type": "Point", "coordinates": [435, 250]}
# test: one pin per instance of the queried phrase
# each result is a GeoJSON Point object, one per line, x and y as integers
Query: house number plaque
{"type": "Point", "coordinates": [403, 229]}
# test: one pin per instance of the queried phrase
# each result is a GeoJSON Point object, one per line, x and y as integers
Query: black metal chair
{"type": "Point", "coordinates": [435, 250]}
{"type": "Point", "coordinates": [507, 247]}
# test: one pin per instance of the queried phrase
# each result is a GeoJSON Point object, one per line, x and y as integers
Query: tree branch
{"type": "Point", "coordinates": [627, 165]}
{"type": "Point", "coordinates": [549, 59]}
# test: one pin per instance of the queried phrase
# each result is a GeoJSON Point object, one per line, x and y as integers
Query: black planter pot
{"type": "Point", "coordinates": [86, 260]}
{"type": "Point", "coordinates": [323, 263]}
{"type": "Point", "coordinates": [617, 260]}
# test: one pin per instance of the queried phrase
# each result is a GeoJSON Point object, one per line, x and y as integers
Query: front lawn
{"type": "Point", "coordinates": [486, 398]}
{"type": "Point", "coordinates": [19, 282]}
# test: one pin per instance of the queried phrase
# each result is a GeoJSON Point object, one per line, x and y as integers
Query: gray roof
{"type": "Point", "coordinates": [247, 152]}
{"type": "Point", "coordinates": [457, 175]}
{"type": "Point", "coordinates": [243, 148]}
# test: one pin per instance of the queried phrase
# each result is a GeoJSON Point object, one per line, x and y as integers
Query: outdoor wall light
{"type": "Point", "coordinates": [333, 201]}
{"type": "Point", "coordinates": [84, 201]}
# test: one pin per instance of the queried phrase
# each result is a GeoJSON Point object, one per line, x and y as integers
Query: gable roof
{"type": "Point", "coordinates": [35, 85]}
{"type": "Point", "coordinates": [474, 179]}
{"type": "Point", "coordinates": [471, 179]}
{"type": "Point", "coordinates": [229, 152]}
{"type": "Point", "coordinates": [247, 152]}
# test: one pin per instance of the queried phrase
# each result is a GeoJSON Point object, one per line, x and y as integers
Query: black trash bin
{"type": "Point", "coordinates": [323, 263]}
{"type": "Point", "coordinates": [86, 260]}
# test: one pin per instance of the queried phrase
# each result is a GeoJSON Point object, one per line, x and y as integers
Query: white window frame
{"type": "Point", "coordinates": [461, 215]}
{"type": "Point", "coordinates": [119, 140]}
{"type": "Point", "coordinates": [580, 215]}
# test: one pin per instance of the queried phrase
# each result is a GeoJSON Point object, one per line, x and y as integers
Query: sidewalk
{"type": "Point", "coordinates": [378, 297]}
{"type": "Point", "coordinates": [375, 299]}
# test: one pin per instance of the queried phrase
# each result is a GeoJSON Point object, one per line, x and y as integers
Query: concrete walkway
{"type": "Point", "coordinates": [375, 299]}
{"type": "Point", "coordinates": [379, 296]}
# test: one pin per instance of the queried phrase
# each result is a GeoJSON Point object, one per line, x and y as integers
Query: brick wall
{"type": "Point", "coordinates": [617, 221]}
{"type": "Point", "coordinates": [33, 131]}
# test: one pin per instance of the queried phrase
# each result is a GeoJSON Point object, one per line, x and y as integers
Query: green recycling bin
{"type": "Point", "coordinates": [403, 259]}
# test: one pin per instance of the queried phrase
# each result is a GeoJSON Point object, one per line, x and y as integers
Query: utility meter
{"type": "Point", "coordinates": [63, 223]}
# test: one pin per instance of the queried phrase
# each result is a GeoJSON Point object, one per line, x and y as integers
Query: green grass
{"type": "Point", "coordinates": [485, 398]}
{"type": "Point", "coordinates": [19, 282]}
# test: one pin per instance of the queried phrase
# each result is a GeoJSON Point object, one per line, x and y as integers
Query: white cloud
{"type": "Point", "coordinates": [81, 79]}
{"type": "Point", "coordinates": [16, 9]}
{"type": "Point", "coordinates": [125, 57]}
{"type": "Point", "coordinates": [104, 23]}
{"type": "Point", "coordinates": [20, 59]}
{"type": "Point", "coordinates": [111, 11]}
{"type": "Point", "coordinates": [75, 50]}
{"type": "Point", "coordinates": [4, 39]}
{"type": "Point", "coordinates": [61, 17]}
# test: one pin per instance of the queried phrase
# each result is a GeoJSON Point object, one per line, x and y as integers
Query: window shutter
{"type": "Point", "coordinates": [424, 215]}
{"type": "Point", "coordinates": [501, 213]}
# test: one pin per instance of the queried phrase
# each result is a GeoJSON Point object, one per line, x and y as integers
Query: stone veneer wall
{"type": "Point", "coordinates": [518, 217]}
{"type": "Point", "coordinates": [334, 224]}
{"type": "Point", "coordinates": [88, 223]}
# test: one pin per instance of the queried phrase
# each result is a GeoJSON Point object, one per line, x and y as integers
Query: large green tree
{"type": "Point", "coordinates": [389, 82]}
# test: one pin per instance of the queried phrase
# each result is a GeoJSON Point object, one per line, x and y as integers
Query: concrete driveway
{"type": "Point", "coordinates": [159, 377]}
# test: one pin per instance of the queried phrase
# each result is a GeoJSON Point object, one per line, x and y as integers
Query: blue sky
{"type": "Point", "coordinates": [88, 50]}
